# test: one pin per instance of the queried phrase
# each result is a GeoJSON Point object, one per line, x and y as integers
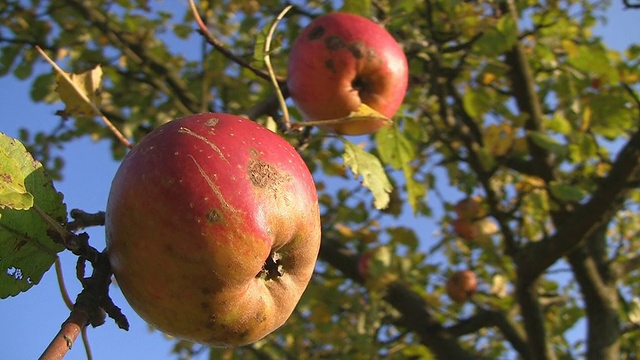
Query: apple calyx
{"type": "Point", "coordinates": [272, 268]}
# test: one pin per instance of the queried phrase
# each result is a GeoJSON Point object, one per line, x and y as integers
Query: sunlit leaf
{"type": "Point", "coordinates": [84, 86]}
{"type": "Point", "coordinates": [26, 250]}
{"type": "Point", "coordinates": [548, 143]}
{"type": "Point", "coordinates": [397, 150]}
{"type": "Point", "coordinates": [369, 167]}
{"type": "Point", "coordinates": [566, 192]}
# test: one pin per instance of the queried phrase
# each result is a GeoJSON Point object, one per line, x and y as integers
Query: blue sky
{"type": "Point", "coordinates": [30, 320]}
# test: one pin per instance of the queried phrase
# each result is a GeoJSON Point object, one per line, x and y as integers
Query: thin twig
{"type": "Point", "coordinates": [63, 289]}
{"type": "Point", "coordinates": [222, 49]}
{"type": "Point", "coordinates": [272, 75]}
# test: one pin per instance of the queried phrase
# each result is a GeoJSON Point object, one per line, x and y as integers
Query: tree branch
{"type": "Point", "coordinates": [605, 201]}
{"type": "Point", "coordinates": [487, 318]}
{"type": "Point", "coordinates": [138, 53]}
{"type": "Point", "coordinates": [69, 331]}
{"type": "Point", "coordinates": [415, 311]}
{"type": "Point", "coordinates": [219, 46]}
{"type": "Point", "coordinates": [591, 270]}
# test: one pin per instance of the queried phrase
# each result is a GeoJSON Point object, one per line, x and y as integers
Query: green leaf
{"type": "Point", "coordinates": [26, 251]}
{"type": "Point", "coordinates": [498, 39]}
{"type": "Point", "coordinates": [548, 143]}
{"type": "Point", "coordinates": [397, 150]}
{"type": "Point", "coordinates": [373, 175]}
{"type": "Point", "coordinates": [13, 193]}
{"type": "Point", "coordinates": [566, 192]}
{"type": "Point", "coordinates": [610, 115]}
{"type": "Point", "coordinates": [476, 102]}
{"type": "Point", "coordinates": [359, 7]}
{"type": "Point", "coordinates": [405, 236]}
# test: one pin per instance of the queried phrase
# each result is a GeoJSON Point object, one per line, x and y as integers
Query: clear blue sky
{"type": "Point", "coordinates": [30, 320]}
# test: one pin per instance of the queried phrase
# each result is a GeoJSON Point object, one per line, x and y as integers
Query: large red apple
{"type": "Point", "coordinates": [340, 61]}
{"type": "Point", "coordinates": [461, 285]}
{"type": "Point", "coordinates": [213, 229]}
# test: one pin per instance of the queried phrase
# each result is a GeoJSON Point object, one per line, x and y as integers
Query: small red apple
{"type": "Point", "coordinates": [466, 229]}
{"type": "Point", "coordinates": [468, 208]}
{"type": "Point", "coordinates": [364, 264]}
{"type": "Point", "coordinates": [213, 229]}
{"type": "Point", "coordinates": [461, 285]}
{"type": "Point", "coordinates": [340, 61]}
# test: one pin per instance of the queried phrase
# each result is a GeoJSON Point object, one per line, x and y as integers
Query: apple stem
{"type": "Point", "coordinates": [272, 75]}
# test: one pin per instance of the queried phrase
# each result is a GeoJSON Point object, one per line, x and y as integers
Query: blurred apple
{"type": "Point", "coordinates": [461, 285]}
{"type": "Point", "coordinates": [466, 229]}
{"type": "Point", "coordinates": [341, 61]}
{"type": "Point", "coordinates": [468, 208]}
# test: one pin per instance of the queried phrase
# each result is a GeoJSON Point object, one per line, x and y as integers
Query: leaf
{"type": "Point", "coordinates": [13, 193]}
{"type": "Point", "coordinates": [373, 175]}
{"type": "Point", "coordinates": [358, 7]}
{"type": "Point", "coordinates": [548, 143]}
{"type": "Point", "coordinates": [26, 251]}
{"type": "Point", "coordinates": [634, 311]}
{"type": "Point", "coordinates": [566, 192]}
{"type": "Point", "coordinates": [396, 150]}
{"type": "Point", "coordinates": [82, 95]}
{"type": "Point", "coordinates": [498, 39]}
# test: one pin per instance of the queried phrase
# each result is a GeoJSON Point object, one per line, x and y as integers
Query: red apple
{"type": "Point", "coordinates": [340, 61]}
{"type": "Point", "coordinates": [364, 264]}
{"type": "Point", "coordinates": [466, 229]}
{"type": "Point", "coordinates": [213, 229]}
{"type": "Point", "coordinates": [462, 285]}
{"type": "Point", "coordinates": [468, 208]}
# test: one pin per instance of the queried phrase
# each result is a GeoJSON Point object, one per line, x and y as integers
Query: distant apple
{"type": "Point", "coordinates": [342, 60]}
{"type": "Point", "coordinates": [468, 208]}
{"type": "Point", "coordinates": [213, 229]}
{"type": "Point", "coordinates": [466, 229]}
{"type": "Point", "coordinates": [462, 285]}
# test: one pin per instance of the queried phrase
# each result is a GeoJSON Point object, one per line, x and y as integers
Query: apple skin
{"type": "Point", "coordinates": [468, 208]}
{"type": "Point", "coordinates": [195, 211]}
{"type": "Point", "coordinates": [466, 229]}
{"type": "Point", "coordinates": [340, 61]}
{"type": "Point", "coordinates": [461, 285]}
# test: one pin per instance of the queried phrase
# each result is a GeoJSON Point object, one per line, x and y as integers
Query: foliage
{"type": "Point", "coordinates": [516, 103]}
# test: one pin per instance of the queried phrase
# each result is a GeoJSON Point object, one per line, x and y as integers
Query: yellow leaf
{"type": "Point", "coordinates": [499, 286]}
{"type": "Point", "coordinates": [82, 94]}
{"type": "Point", "coordinates": [498, 139]}
{"type": "Point", "coordinates": [529, 183]}
{"type": "Point", "coordinates": [488, 78]}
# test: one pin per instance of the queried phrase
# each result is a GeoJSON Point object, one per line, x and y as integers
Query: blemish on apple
{"type": "Point", "coordinates": [211, 122]}
{"type": "Point", "coordinates": [334, 43]}
{"type": "Point", "coordinates": [329, 65]}
{"type": "Point", "coordinates": [316, 33]}
{"type": "Point", "coordinates": [213, 216]}
{"type": "Point", "coordinates": [357, 48]}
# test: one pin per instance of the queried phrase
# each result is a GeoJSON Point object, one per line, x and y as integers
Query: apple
{"type": "Point", "coordinates": [364, 264]}
{"type": "Point", "coordinates": [468, 208]}
{"type": "Point", "coordinates": [461, 285]}
{"type": "Point", "coordinates": [466, 229]}
{"type": "Point", "coordinates": [213, 229]}
{"type": "Point", "coordinates": [340, 61]}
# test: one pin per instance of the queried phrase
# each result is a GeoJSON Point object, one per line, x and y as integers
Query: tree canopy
{"type": "Point", "coordinates": [513, 105]}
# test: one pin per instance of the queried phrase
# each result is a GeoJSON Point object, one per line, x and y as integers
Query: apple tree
{"type": "Point", "coordinates": [514, 159]}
